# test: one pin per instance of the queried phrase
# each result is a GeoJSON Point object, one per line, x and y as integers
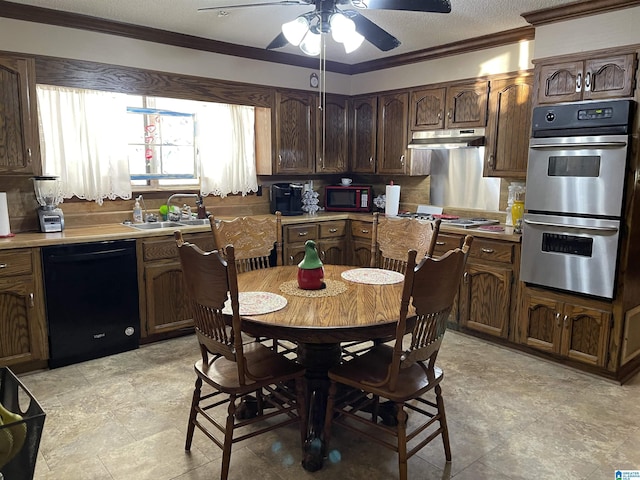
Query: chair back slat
{"type": "Point", "coordinates": [393, 237]}
{"type": "Point", "coordinates": [431, 287]}
{"type": "Point", "coordinates": [253, 238]}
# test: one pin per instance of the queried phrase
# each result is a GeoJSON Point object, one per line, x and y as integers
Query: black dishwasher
{"type": "Point", "coordinates": [91, 292]}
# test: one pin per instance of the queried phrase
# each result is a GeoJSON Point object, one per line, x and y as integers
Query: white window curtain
{"type": "Point", "coordinates": [226, 149]}
{"type": "Point", "coordinates": [84, 142]}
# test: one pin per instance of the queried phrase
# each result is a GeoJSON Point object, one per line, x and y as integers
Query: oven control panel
{"type": "Point", "coordinates": [593, 113]}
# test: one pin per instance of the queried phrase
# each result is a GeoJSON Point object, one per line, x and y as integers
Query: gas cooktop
{"type": "Point", "coordinates": [453, 220]}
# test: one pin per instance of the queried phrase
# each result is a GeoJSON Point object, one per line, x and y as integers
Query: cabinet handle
{"type": "Point", "coordinates": [402, 160]}
{"type": "Point", "coordinates": [279, 160]}
{"type": "Point", "coordinates": [587, 82]}
{"type": "Point", "coordinates": [557, 319]}
{"type": "Point", "coordinates": [491, 161]}
{"type": "Point", "coordinates": [441, 243]}
{"type": "Point", "coordinates": [364, 231]}
{"type": "Point", "coordinates": [29, 151]}
{"type": "Point", "coordinates": [371, 160]}
{"type": "Point", "coordinates": [3, 265]}
{"type": "Point", "coordinates": [290, 259]}
{"type": "Point", "coordinates": [487, 250]}
{"type": "Point", "coordinates": [323, 256]}
{"type": "Point", "coordinates": [303, 234]}
{"type": "Point", "coordinates": [333, 230]}
{"type": "Point", "coordinates": [465, 277]}
{"type": "Point", "coordinates": [579, 82]}
{"type": "Point", "coordinates": [566, 321]}
{"type": "Point", "coordinates": [440, 115]}
{"type": "Point", "coordinates": [31, 302]}
{"type": "Point", "coordinates": [449, 114]}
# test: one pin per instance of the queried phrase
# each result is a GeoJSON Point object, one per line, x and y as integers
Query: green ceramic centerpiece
{"type": "Point", "coordinates": [310, 269]}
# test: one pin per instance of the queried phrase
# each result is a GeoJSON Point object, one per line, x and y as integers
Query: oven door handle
{"type": "Point", "coordinates": [562, 225]}
{"type": "Point", "coordinates": [579, 145]}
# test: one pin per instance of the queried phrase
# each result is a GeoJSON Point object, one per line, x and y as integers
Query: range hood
{"type": "Point", "coordinates": [447, 139]}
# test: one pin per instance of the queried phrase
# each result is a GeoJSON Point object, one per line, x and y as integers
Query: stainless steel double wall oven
{"type": "Point", "coordinates": [575, 190]}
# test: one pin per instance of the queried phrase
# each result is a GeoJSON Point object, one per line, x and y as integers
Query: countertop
{"type": "Point", "coordinates": [104, 232]}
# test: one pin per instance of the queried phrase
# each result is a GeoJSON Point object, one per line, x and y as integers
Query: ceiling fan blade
{"type": "Point", "coordinates": [267, 4]}
{"type": "Point", "coordinates": [435, 6]}
{"type": "Point", "coordinates": [374, 34]}
{"type": "Point", "coordinates": [278, 42]}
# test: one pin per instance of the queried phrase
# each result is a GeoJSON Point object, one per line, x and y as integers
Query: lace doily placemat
{"type": "Point", "coordinates": [333, 287]}
{"type": "Point", "coordinates": [373, 276]}
{"type": "Point", "coordinates": [257, 303]}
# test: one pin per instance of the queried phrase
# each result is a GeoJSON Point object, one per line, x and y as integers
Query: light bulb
{"type": "Point", "coordinates": [295, 30]}
{"type": "Point", "coordinates": [311, 43]}
{"type": "Point", "coordinates": [341, 27]}
{"type": "Point", "coordinates": [353, 42]}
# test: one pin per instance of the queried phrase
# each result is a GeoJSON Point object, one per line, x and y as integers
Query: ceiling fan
{"type": "Point", "coordinates": [320, 20]}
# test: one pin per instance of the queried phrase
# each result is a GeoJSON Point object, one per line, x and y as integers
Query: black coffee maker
{"type": "Point", "coordinates": [287, 198]}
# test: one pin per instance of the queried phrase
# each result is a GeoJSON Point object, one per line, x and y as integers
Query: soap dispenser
{"type": "Point", "coordinates": [137, 211]}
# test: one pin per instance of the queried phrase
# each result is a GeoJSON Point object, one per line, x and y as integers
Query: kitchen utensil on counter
{"type": "Point", "coordinates": [49, 196]}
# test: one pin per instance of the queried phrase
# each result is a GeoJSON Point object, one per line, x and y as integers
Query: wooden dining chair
{"type": "Point", "coordinates": [391, 239]}
{"type": "Point", "coordinates": [234, 371]}
{"type": "Point", "coordinates": [403, 373]}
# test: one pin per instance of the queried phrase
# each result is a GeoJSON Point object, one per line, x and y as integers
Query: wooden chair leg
{"type": "Point", "coordinates": [192, 414]}
{"type": "Point", "coordinates": [402, 441]}
{"type": "Point", "coordinates": [228, 438]}
{"type": "Point", "coordinates": [443, 423]}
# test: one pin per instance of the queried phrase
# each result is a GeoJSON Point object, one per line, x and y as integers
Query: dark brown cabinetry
{"type": "Point", "coordinates": [509, 127]}
{"type": "Point", "coordinates": [23, 331]}
{"type": "Point", "coordinates": [360, 243]}
{"type": "Point", "coordinates": [453, 106]}
{"type": "Point", "coordinates": [393, 110]}
{"type": "Point", "coordinates": [19, 139]}
{"type": "Point", "coordinates": [332, 135]}
{"type": "Point", "coordinates": [329, 236]}
{"type": "Point", "coordinates": [566, 326]}
{"type": "Point", "coordinates": [164, 308]}
{"type": "Point", "coordinates": [294, 133]}
{"type": "Point", "coordinates": [594, 78]}
{"type": "Point", "coordinates": [364, 121]}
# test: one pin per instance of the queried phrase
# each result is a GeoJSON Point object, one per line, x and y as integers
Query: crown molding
{"type": "Point", "coordinates": [573, 10]}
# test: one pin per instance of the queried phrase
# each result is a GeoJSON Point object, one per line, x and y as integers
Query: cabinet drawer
{"type": "Point", "coordinates": [491, 250]}
{"type": "Point", "coordinates": [165, 248]}
{"type": "Point", "coordinates": [15, 262]}
{"type": "Point", "coordinates": [301, 233]}
{"type": "Point", "coordinates": [446, 242]}
{"type": "Point", "coordinates": [360, 229]}
{"type": "Point", "coordinates": [332, 229]}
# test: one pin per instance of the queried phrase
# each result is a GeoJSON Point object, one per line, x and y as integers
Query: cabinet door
{"type": "Point", "coordinates": [539, 324]}
{"type": "Point", "coordinates": [167, 303]}
{"type": "Point", "coordinates": [364, 113]}
{"type": "Point", "coordinates": [509, 127]}
{"type": "Point", "coordinates": [426, 109]}
{"type": "Point", "coordinates": [333, 136]}
{"type": "Point", "coordinates": [467, 105]}
{"type": "Point", "coordinates": [485, 299]}
{"type": "Point", "coordinates": [19, 139]}
{"type": "Point", "coordinates": [332, 252]}
{"type": "Point", "coordinates": [560, 82]}
{"type": "Point", "coordinates": [20, 317]}
{"type": "Point", "coordinates": [295, 133]}
{"type": "Point", "coordinates": [585, 334]}
{"type": "Point", "coordinates": [609, 77]}
{"type": "Point", "coordinates": [393, 113]}
{"type": "Point", "coordinates": [360, 243]}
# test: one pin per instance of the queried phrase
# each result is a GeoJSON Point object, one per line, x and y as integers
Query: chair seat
{"type": "Point", "coordinates": [372, 367]}
{"type": "Point", "coordinates": [265, 363]}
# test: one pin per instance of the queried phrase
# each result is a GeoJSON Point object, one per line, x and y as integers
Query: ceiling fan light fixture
{"type": "Point", "coordinates": [310, 44]}
{"type": "Point", "coordinates": [353, 42]}
{"type": "Point", "coordinates": [295, 30]}
{"type": "Point", "coordinates": [341, 27]}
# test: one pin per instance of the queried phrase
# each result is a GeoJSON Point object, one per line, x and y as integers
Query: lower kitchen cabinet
{"type": "Point", "coordinates": [360, 250]}
{"type": "Point", "coordinates": [330, 238]}
{"type": "Point", "coordinates": [565, 325]}
{"type": "Point", "coordinates": [23, 331]}
{"type": "Point", "coordinates": [164, 306]}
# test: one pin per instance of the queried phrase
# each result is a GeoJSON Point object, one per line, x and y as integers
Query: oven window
{"type": "Point", "coordinates": [342, 198]}
{"type": "Point", "coordinates": [554, 242]}
{"type": "Point", "coordinates": [574, 166]}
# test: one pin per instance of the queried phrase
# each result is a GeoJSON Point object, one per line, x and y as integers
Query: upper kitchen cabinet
{"type": "Point", "coordinates": [509, 127]}
{"type": "Point", "coordinates": [294, 120]}
{"type": "Point", "coordinates": [19, 139]}
{"type": "Point", "coordinates": [364, 121]}
{"type": "Point", "coordinates": [589, 77]}
{"type": "Point", "coordinates": [333, 135]}
{"type": "Point", "coordinates": [458, 105]}
{"type": "Point", "coordinates": [393, 114]}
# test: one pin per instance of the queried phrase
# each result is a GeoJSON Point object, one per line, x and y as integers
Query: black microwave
{"type": "Point", "coordinates": [347, 198]}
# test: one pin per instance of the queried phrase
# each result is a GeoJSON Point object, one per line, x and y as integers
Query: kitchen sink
{"type": "Point", "coordinates": [155, 225]}
{"type": "Point", "coordinates": [195, 221]}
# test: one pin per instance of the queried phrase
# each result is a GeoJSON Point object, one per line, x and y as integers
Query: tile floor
{"type": "Point", "coordinates": [511, 416]}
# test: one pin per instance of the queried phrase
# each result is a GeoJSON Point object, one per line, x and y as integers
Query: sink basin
{"type": "Point", "coordinates": [195, 221]}
{"type": "Point", "coordinates": [155, 225]}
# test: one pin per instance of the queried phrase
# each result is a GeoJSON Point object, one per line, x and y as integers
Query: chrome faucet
{"type": "Point", "coordinates": [173, 216]}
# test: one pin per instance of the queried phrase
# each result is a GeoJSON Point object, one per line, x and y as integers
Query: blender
{"type": "Point", "coordinates": [49, 196]}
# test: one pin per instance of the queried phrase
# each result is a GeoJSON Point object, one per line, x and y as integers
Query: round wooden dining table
{"type": "Point", "coordinates": [318, 322]}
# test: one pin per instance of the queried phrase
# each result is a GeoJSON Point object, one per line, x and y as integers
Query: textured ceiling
{"type": "Point", "coordinates": [257, 26]}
